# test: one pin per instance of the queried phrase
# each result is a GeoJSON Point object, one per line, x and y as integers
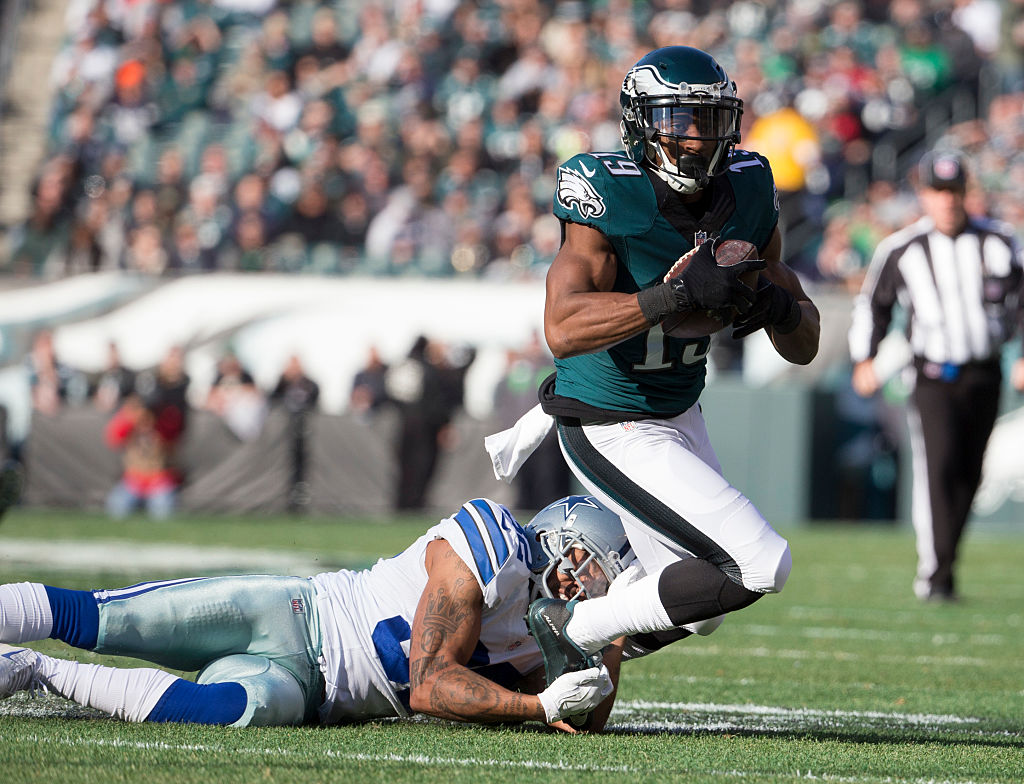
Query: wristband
{"type": "Point", "coordinates": [657, 302]}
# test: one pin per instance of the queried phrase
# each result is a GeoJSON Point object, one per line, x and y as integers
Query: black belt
{"type": "Point", "coordinates": [950, 371]}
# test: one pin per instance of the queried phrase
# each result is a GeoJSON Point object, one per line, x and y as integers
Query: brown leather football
{"type": "Point", "coordinates": [694, 323]}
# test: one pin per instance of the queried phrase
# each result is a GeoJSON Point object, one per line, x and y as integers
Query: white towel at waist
{"type": "Point", "coordinates": [510, 448]}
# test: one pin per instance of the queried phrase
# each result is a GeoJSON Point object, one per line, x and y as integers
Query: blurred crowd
{"type": "Point", "coordinates": [404, 137]}
{"type": "Point", "coordinates": [147, 412]}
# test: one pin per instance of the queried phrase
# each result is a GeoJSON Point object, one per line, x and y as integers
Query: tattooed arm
{"type": "Point", "coordinates": [444, 633]}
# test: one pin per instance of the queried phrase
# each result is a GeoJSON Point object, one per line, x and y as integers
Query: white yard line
{"type": "Point", "coordinates": [416, 759]}
{"type": "Point", "coordinates": [427, 760]}
{"type": "Point", "coordinates": [794, 714]}
{"type": "Point", "coordinates": [651, 712]}
{"type": "Point", "coordinates": [647, 716]}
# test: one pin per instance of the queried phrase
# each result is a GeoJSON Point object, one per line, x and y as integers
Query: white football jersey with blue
{"type": "Point", "coordinates": [367, 616]}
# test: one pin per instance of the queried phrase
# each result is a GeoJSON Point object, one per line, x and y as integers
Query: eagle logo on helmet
{"type": "Point", "coordinates": [680, 116]}
{"type": "Point", "coordinates": [574, 191]}
{"type": "Point", "coordinates": [645, 80]}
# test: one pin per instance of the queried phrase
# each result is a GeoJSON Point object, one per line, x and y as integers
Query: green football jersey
{"type": "Point", "coordinates": [649, 227]}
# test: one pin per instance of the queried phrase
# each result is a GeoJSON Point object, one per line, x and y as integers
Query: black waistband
{"type": "Point", "coordinates": [920, 362]}
{"type": "Point", "coordinates": [950, 371]}
{"type": "Point", "coordinates": [559, 406]}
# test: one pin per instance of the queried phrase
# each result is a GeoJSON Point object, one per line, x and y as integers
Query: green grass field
{"type": "Point", "coordinates": [844, 677]}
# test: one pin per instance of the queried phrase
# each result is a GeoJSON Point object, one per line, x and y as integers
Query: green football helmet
{"type": "Point", "coordinates": [680, 116]}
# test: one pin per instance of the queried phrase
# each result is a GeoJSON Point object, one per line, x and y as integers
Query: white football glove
{"type": "Point", "coordinates": [575, 692]}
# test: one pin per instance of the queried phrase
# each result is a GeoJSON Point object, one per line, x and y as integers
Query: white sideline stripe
{"type": "Point", "coordinates": [467, 762]}
{"type": "Point", "coordinates": [803, 612]}
{"type": "Point", "coordinates": [134, 557]}
{"type": "Point", "coordinates": [841, 633]}
{"type": "Point", "coordinates": [782, 653]}
{"type": "Point", "coordinates": [796, 713]}
{"type": "Point", "coordinates": [24, 706]}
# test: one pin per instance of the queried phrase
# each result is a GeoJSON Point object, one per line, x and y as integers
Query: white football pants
{"type": "Point", "coordinates": [664, 480]}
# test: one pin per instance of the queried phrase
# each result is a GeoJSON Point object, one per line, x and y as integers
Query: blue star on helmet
{"type": "Point", "coordinates": [573, 501]}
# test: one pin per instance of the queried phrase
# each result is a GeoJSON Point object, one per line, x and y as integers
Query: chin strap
{"type": "Point", "coordinates": [677, 183]}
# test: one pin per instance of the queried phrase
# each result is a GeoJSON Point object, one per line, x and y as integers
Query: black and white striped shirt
{"type": "Point", "coordinates": [962, 294]}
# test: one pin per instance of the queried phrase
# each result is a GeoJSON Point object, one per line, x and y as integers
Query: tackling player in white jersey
{"type": "Point", "coordinates": [437, 629]}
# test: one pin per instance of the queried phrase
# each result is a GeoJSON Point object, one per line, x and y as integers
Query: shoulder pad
{"type": "Point", "coordinates": [748, 162]}
{"type": "Point", "coordinates": [487, 538]}
{"type": "Point", "coordinates": [604, 190]}
{"type": "Point", "coordinates": [756, 212]}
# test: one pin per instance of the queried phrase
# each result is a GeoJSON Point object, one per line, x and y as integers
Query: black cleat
{"type": "Point", "coordinates": [546, 619]}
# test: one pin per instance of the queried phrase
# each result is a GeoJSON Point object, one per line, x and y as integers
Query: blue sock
{"type": "Point", "coordinates": [76, 616]}
{"type": "Point", "coordinates": [201, 703]}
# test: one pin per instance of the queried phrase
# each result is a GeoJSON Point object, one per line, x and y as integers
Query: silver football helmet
{"type": "Point", "coordinates": [579, 537]}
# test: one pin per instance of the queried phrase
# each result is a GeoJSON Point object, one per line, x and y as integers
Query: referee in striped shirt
{"type": "Point", "coordinates": [959, 279]}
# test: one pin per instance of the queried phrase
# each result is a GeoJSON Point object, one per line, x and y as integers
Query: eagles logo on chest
{"type": "Point", "coordinates": [575, 192]}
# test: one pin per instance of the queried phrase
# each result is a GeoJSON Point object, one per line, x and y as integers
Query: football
{"type": "Point", "coordinates": [695, 324]}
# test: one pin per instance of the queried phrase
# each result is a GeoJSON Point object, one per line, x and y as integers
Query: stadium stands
{"type": "Point", "coordinates": [421, 138]}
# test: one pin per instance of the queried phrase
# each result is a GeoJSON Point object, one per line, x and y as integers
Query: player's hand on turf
{"type": "Point", "coordinates": [773, 307]}
{"type": "Point", "coordinates": [705, 285]}
{"type": "Point", "coordinates": [575, 693]}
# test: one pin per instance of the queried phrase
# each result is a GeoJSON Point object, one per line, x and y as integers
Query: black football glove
{"type": "Point", "coordinates": [773, 307]}
{"type": "Point", "coordinates": [703, 285]}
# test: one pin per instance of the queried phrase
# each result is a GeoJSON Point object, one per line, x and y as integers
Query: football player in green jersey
{"type": "Point", "coordinates": [624, 396]}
